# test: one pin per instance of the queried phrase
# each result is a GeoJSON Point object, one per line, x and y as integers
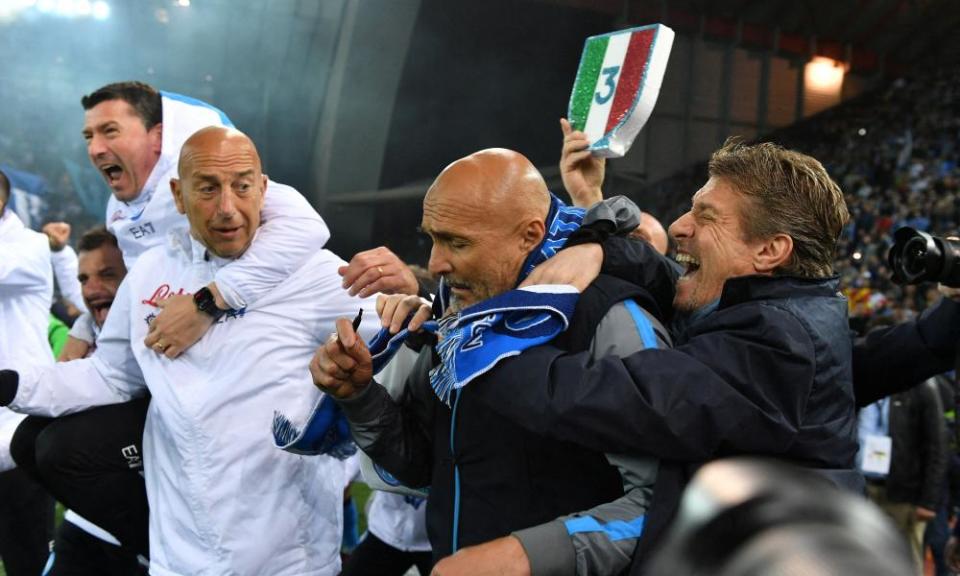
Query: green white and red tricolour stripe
{"type": "Point", "coordinates": [617, 86]}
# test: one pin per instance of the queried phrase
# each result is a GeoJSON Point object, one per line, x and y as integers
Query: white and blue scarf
{"type": "Point", "coordinates": [327, 432]}
{"type": "Point", "coordinates": [470, 343]}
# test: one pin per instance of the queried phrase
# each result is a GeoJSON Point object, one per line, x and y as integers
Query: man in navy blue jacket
{"type": "Point", "coordinates": [762, 363]}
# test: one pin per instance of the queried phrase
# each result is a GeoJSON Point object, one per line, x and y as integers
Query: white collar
{"type": "Point", "coordinates": [181, 240]}
{"type": "Point", "coordinates": [9, 222]}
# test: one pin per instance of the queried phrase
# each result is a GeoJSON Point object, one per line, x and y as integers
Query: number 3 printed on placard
{"type": "Point", "coordinates": [610, 84]}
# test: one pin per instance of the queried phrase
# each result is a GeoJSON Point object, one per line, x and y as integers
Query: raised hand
{"type": "Point", "coordinates": [581, 171]}
{"type": "Point", "coordinates": [394, 309]}
{"type": "Point", "coordinates": [378, 270]}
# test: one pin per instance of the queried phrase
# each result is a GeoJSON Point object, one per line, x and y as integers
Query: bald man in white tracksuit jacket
{"type": "Point", "coordinates": [290, 232]}
{"type": "Point", "coordinates": [224, 499]}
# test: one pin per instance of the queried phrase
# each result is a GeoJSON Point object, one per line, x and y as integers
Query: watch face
{"type": "Point", "coordinates": [206, 303]}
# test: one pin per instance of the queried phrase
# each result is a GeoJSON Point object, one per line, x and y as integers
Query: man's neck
{"type": "Point", "coordinates": [150, 173]}
{"type": "Point", "coordinates": [209, 254]}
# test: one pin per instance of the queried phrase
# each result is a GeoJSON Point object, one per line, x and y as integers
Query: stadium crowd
{"type": "Point", "coordinates": [528, 409]}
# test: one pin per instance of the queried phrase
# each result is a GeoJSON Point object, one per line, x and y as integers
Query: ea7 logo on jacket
{"type": "Point", "coordinates": [132, 455]}
{"type": "Point", "coordinates": [141, 230]}
{"type": "Point", "coordinates": [476, 332]}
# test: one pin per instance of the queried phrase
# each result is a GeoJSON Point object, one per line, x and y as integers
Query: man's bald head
{"type": "Point", "coordinates": [220, 189]}
{"type": "Point", "coordinates": [217, 141]}
{"type": "Point", "coordinates": [651, 230]}
{"type": "Point", "coordinates": [485, 213]}
{"type": "Point", "coordinates": [495, 180]}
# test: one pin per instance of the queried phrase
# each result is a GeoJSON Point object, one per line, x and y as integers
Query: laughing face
{"type": "Point", "coordinates": [100, 272]}
{"type": "Point", "coordinates": [711, 244]}
{"type": "Point", "coordinates": [120, 147]}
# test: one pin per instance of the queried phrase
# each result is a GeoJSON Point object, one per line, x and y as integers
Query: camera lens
{"type": "Point", "coordinates": [914, 253]}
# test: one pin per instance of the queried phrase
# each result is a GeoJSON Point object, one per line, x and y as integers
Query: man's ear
{"type": "Point", "coordinates": [177, 189]}
{"type": "Point", "coordinates": [532, 234]}
{"type": "Point", "coordinates": [156, 138]}
{"type": "Point", "coordinates": [773, 253]}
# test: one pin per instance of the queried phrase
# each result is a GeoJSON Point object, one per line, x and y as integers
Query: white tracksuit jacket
{"type": "Point", "coordinates": [399, 520]}
{"type": "Point", "coordinates": [66, 268]}
{"type": "Point", "coordinates": [223, 499]}
{"type": "Point", "coordinates": [26, 291]}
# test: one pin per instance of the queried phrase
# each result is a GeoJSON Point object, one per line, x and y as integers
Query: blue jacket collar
{"type": "Point", "coordinates": [747, 288]}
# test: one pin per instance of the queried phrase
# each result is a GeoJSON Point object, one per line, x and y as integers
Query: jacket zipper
{"type": "Point", "coordinates": [456, 473]}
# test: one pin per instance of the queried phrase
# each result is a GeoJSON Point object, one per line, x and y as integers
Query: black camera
{"type": "Point", "coordinates": [919, 257]}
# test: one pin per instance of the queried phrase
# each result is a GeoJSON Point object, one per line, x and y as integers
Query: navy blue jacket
{"type": "Point", "coordinates": [770, 372]}
{"type": "Point", "coordinates": [488, 475]}
{"type": "Point", "coordinates": [767, 373]}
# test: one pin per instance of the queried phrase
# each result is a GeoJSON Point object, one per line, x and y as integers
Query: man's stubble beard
{"type": "Point", "coordinates": [455, 306]}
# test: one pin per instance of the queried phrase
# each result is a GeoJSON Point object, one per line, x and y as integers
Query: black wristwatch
{"type": "Point", "coordinates": [207, 304]}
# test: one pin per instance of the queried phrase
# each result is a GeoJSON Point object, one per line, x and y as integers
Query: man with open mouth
{"type": "Point", "coordinates": [134, 134]}
{"type": "Point", "coordinates": [764, 363]}
{"type": "Point", "coordinates": [100, 271]}
{"type": "Point", "coordinates": [223, 499]}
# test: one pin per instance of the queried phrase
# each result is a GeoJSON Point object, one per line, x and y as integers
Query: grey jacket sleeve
{"type": "Point", "coordinates": [621, 212]}
{"type": "Point", "coordinates": [602, 540]}
{"type": "Point", "coordinates": [396, 434]}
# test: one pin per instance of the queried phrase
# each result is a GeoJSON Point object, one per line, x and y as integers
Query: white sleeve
{"type": "Point", "coordinates": [335, 302]}
{"type": "Point", "coordinates": [290, 233]}
{"type": "Point", "coordinates": [110, 376]}
{"type": "Point", "coordinates": [25, 268]}
{"type": "Point", "coordinates": [9, 421]}
{"type": "Point", "coordinates": [83, 329]}
{"type": "Point", "coordinates": [65, 269]}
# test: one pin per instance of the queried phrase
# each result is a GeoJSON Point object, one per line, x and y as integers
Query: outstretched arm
{"type": "Point", "coordinates": [690, 403]}
{"type": "Point", "coordinates": [894, 359]}
{"type": "Point", "coordinates": [111, 376]}
{"type": "Point", "coordinates": [378, 270]}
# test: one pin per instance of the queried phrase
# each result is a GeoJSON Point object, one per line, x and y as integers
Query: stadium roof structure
{"type": "Point", "coordinates": [890, 36]}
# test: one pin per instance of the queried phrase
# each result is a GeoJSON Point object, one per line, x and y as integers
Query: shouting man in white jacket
{"type": "Point", "coordinates": [134, 134]}
{"type": "Point", "coordinates": [223, 499]}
